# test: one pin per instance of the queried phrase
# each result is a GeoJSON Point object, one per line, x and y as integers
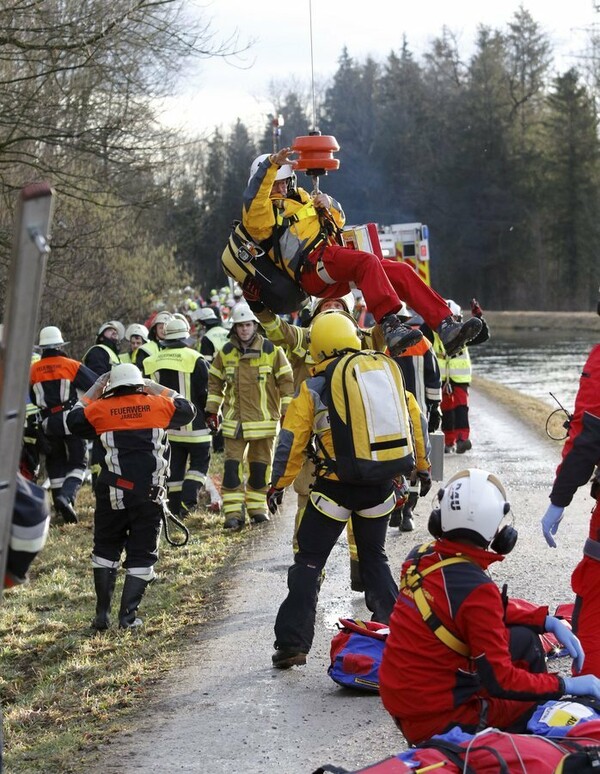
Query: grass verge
{"type": "Point", "coordinates": [65, 688]}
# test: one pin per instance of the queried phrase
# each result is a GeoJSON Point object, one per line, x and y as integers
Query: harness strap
{"type": "Point", "coordinates": [592, 549]}
{"type": "Point", "coordinates": [66, 406]}
{"type": "Point", "coordinates": [413, 580]}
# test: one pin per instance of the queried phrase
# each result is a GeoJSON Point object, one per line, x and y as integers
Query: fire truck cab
{"type": "Point", "coordinates": [407, 242]}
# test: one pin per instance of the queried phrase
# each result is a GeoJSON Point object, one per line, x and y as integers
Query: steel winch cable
{"type": "Point", "coordinates": [312, 65]}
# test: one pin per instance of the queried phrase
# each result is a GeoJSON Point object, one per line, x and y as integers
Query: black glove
{"type": "Point", "coordinates": [435, 418]}
{"type": "Point", "coordinates": [251, 293]}
{"type": "Point", "coordinates": [476, 310]}
{"type": "Point", "coordinates": [424, 477]}
{"type": "Point", "coordinates": [274, 498]}
{"type": "Point", "coordinates": [213, 422]}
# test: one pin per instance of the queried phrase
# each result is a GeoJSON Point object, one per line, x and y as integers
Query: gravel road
{"type": "Point", "coordinates": [229, 711]}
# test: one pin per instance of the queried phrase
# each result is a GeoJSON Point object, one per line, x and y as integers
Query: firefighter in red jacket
{"type": "Point", "coordinates": [580, 463]}
{"type": "Point", "coordinates": [53, 384]}
{"type": "Point", "coordinates": [459, 652]}
{"type": "Point", "coordinates": [300, 233]}
{"type": "Point", "coordinates": [130, 416]}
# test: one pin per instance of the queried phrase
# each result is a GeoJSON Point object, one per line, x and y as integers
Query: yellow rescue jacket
{"type": "Point", "coordinates": [298, 227]}
{"type": "Point", "coordinates": [255, 386]}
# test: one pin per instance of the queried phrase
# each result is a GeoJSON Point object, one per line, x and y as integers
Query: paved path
{"type": "Point", "coordinates": [230, 712]}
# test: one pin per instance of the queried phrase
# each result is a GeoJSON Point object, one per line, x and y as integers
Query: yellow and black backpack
{"type": "Point", "coordinates": [369, 419]}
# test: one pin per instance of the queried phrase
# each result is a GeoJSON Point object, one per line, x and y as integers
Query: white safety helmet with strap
{"type": "Point", "coordinates": [241, 313]}
{"type": "Point", "coordinates": [284, 171]}
{"type": "Point", "coordinates": [124, 375]}
{"type": "Point", "coordinates": [347, 302]}
{"type": "Point", "coordinates": [205, 314]}
{"type": "Point", "coordinates": [50, 336]}
{"type": "Point", "coordinates": [472, 506]}
{"type": "Point", "coordinates": [161, 317]}
{"type": "Point", "coordinates": [136, 329]}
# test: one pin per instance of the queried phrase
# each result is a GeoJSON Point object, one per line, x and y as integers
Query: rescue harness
{"type": "Point", "coordinates": [413, 582]}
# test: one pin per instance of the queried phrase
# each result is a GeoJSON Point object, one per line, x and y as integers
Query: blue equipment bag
{"type": "Point", "coordinates": [356, 653]}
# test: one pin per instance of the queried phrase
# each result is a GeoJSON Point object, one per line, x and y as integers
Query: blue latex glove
{"type": "Point", "coordinates": [566, 638]}
{"type": "Point", "coordinates": [584, 685]}
{"type": "Point", "coordinates": [550, 523]}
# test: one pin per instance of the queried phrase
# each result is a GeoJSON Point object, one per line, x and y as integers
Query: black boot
{"type": "Point", "coordinates": [455, 335]}
{"type": "Point", "coordinates": [133, 591]}
{"type": "Point", "coordinates": [104, 583]}
{"type": "Point", "coordinates": [397, 335]}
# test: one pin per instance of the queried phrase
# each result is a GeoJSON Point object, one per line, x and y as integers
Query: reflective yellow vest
{"type": "Point", "coordinates": [455, 369]}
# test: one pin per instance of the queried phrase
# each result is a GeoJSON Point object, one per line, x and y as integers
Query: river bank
{"type": "Point", "coordinates": [581, 321]}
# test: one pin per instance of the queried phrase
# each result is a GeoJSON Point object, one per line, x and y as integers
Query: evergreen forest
{"type": "Point", "coordinates": [497, 152]}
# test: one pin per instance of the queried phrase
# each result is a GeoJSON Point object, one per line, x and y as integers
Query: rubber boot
{"type": "Point", "coordinates": [104, 583]}
{"type": "Point", "coordinates": [133, 591]}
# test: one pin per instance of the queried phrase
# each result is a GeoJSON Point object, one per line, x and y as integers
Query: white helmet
{"type": "Point", "coordinates": [125, 375]}
{"type": "Point", "coordinates": [50, 336]}
{"type": "Point", "coordinates": [472, 505]}
{"type": "Point", "coordinates": [284, 171]}
{"type": "Point", "coordinates": [242, 313]}
{"type": "Point", "coordinates": [347, 302]}
{"type": "Point", "coordinates": [161, 317]}
{"type": "Point", "coordinates": [177, 328]}
{"type": "Point", "coordinates": [204, 314]}
{"type": "Point", "coordinates": [136, 329]}
{"type": "Point", "coordinates": [455, 309]}
{"type": "Point", "coordinates": [118, 326]}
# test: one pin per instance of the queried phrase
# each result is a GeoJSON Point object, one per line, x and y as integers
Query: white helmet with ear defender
{"type": "Point", "coordinates": [472, 506]}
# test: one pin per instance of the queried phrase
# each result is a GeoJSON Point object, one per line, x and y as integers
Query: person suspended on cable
{"type": "Point", "coordinates": [300, 232]}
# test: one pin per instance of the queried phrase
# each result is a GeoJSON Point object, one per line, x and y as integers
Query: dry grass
{"type": "Point", "coordinates": [66, 688]}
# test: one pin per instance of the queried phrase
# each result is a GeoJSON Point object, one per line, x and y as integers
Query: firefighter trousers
{"type": "Point", "coordinates": [455, 414]}
{"type": "Point", "coordinates": [236, 491]}
{"type": "Point", "coordinates": [189, 468]}
{"type": "Point", "coordinates": [383, 283]}
{"type": "Point", "coordinates": [134, 530]}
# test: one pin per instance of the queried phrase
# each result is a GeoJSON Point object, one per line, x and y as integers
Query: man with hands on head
{"type": "Point", "coordinates": [580, 463]}
{"type": "Point", "coordinates": [129, 415]}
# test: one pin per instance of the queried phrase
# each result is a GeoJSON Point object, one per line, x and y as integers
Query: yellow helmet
{"type": "Point", "coordinates": [333, 333]}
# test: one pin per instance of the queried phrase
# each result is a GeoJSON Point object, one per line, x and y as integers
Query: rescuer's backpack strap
{"type": "Point", "coordinates": [413, 581]}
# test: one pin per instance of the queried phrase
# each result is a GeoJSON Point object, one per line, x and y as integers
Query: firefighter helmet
{"type": "Point", "coordinates": [118, 326]}
{"type": "Point", "coordinates": [204, 315]}
{"type": "Point", "coordinates": [50, 336]}
{"type": "Point", "coordinates": [125, 375]}
{"type": "Point", "coordinates": [177, 328]}
{"type": "Point", "coordinates": [136, 329]}
{"type": "Point", "coordinates": [455, 308]}
{"type": "Point", "coordinates": [161, 317]}
{"type": "Point", "coordinates": [241, 313]}
{"type": "Point", "coordinates": [333, 333]}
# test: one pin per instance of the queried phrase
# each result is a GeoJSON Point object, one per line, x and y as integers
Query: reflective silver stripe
{"type": "Point", "coordinates": [592, 549]}
{"type": "Point", "coordinates": [329, 508]}
{"type": "Point", "coordinates": [381, 509]}
{"type": "Point", "coordinates": [323, 273]}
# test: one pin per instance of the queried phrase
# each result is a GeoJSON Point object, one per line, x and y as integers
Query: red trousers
{"type": "Point", "coordinates": [455, 413]}
{"type": "Point", "coordinates": [384, 284]}
{"type": "Point", "coordinates": [585, 582]}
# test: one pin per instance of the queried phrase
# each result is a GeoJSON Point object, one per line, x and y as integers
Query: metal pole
{"type": "Point", "coordinates": [24, 293]}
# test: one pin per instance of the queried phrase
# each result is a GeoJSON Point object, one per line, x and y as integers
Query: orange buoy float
{"type": "Point", "coordinates": [316, 153]}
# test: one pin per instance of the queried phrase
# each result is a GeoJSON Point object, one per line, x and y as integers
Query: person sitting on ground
{"type": "Point", "coordinates": [460, 652]}
{"type": "Point", "coordinates": [300, 232]}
